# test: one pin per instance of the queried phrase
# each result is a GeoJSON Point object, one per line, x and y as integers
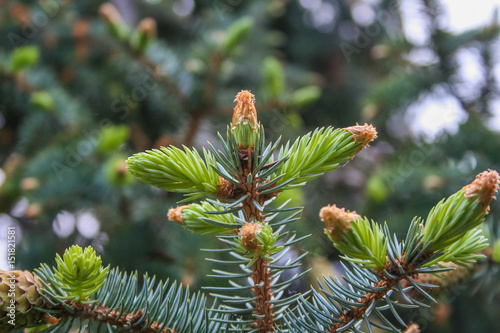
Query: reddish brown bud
{"type": "Point", "coordinates": [225, 189]}
{"type": "Point", "coordinates": [364, 134]}
{"type": "Point", "coordinates": [81, 29]}
{"type": "Point", "coordinates": [413, 328]}
{"type": "Point", "coordinates": [147, 27]}
{"type": "Point", "coordinates": [121, 168]}
{"type": "Point", "coordinates": [337, 220]}
{"type": "Point", "coordinates": [20, 13]}
{"type": "Point", "coordinates": [109, 12]}
{"type": "Point", "coordinates": [484, 188]}
{"type": "Point", "coordinates": [248, 234]}
{"type": "Point", "coordinates": [175, 214]}
{"type": "Point", "coordinates": [244, 111]}
{"type": "Point", "coordinates": [30, 183]}
{"type": "Point", "coordinates": [33, 211]}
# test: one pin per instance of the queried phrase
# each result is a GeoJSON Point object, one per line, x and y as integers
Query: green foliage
{"type": "Point", "coordinates": [112, 137]}
{"type": "Point", "coordinates": [451, 219]}
{"type": "Point", "coordinates": [206, 218]}
{"type": "Point", "coordinates": [266, 245]}
{"type": "Point", "coordinates": [143, 35]}
{"type": "Point", "coordinates": [245, 135]}
{"type": "Point", "coordinates": [376, 189]}
{"type": "Point", "coordinates": [267, 239]}
{"type": "Point", "coordinates": [314, 154]}
{"type": "Point", "coordinates": [364, 244]}
{"type": "Point", "coordinates": [304, 96]}
{"type": "Point", "coordinates": [496, 251]}
{"type": "Point", "coordinates": [237, 33]}
{"type": "Point", "coordinates": [79, 274]}
{"type": "Point", "coordinates": [466, 250]}
{"type": "Point", "coordinates": [116, 173]}
{"type": "Point", "coordinates": [43, 100]}
{"type": "Point", "coordinates": [165, 90]}
{"type": "Point", "coordinates": [172, 169]}
{"type": "Point", "coordinates": [24, 57]}
{"type": "Point", "coordinates": [152, 305]}
{"type": "Point", "coordinates": [274, 77]}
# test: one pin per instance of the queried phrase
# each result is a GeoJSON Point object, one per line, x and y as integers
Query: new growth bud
{"type": "Point", "coordinates": [143, 35]}
{"type": "Point", "coordinates": [337, 221]}
{"type": "Point", "coordinates": [113, 18]}
{"type": "Point", "coordinates": [249, 240]}
{"type": "Point", "coordinates": [463, 211]}
{"type": "Point", "coordinates": [413, 328]}
{"type": "Point", "coordinates": [147, 27]}
{"type": "Point", "coordinates": [484, 187]}
{"type": "Point", "coordinates": [109, 12]}
{"type": "Point", "coordinates": [175, 214]}
{"type": "Point", "coordinates": [358, 239]}
{"type": "Point", "coordinates": [244, 111]}
{"type": "Point", "coordinates": [244, 125]}
{"type": "Point", "coordinates": [363, 134]}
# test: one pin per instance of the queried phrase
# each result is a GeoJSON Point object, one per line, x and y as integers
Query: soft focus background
{"type": "Point", "coordinates": [78, 96]}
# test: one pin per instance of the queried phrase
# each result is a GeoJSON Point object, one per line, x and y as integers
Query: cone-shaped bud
{"type": "Point", "coordinates": [117, 26]}
{"type": "Point", "coordinates": [195, 218]}
{"type": "Point", "coordinates": [147, 26]}
{"type": "Point", "coordinates": [463, 211]}
{"type": "Point", "coordinates": [249, 237]}
{"type": "Point", "coordinates": [362, 135]}
{"type": "Point", "coordinates": [19, 294]}
{"type": "Point", "coordinates": [358, 239]}
{"type": "Point", "coordinates": [30, 184]}
{"type": "Point", "coordinates": [337, 221]}
{"type": "Point", "coordinates": [175, 214]}
{"type": "Point", "coordinates": [144, 34]}
{"type": "Point", "coordinates": [413, 328]}
{"type": "Point", "coordinates": [110, 13]}
{"type": "Point", "coordinates": [244, 111]}
{"type": "Point", "coordinates": [483, 188]}
{"type": "Point", "coordinates": [244, 125]}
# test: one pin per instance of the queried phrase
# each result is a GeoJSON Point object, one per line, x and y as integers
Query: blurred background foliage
{"type": "Point", "coordinates": [83, 86]}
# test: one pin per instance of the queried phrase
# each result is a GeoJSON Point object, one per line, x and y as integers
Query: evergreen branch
{"type": "Point", "coordinates": [122, 33]}
{"type": "Point", "coordinates": [451, 226]}
{"type": "Point", "coordinates": [121, 306]}
{"type": "Point", "coordinates": [162, 77]}
{"type": "Point", "coordinates": [194, 218]}
{"type": "Point", "coordinates": [174, 170]}
{"type": "Point", "coordinates": [321, 151]}
{"type": "Point", "coordinates": [450, 219]}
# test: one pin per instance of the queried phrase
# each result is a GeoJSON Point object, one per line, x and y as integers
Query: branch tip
{"type": "Point", "coordinates": [365, 133]}
{"type": "Point", "coordinates": [337, 220]}
{"type": "Point", "coordinates": [248, 234]}
{"type": "Point", "coordinates": [413, 328]}
{"type": "Point", "coordinates": [175, 214]}
{"type": "Point", "coordinates": [110, 13]}
{"type": "Point", "coordinates": [244, 111]}
{"type": "Point", "coordinates": [484, 187]}
{"type": "Point", "coordinates": [147, 26]}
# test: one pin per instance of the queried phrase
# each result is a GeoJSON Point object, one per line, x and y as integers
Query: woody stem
{"type": "Point", "coordinates": [261, 276]}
